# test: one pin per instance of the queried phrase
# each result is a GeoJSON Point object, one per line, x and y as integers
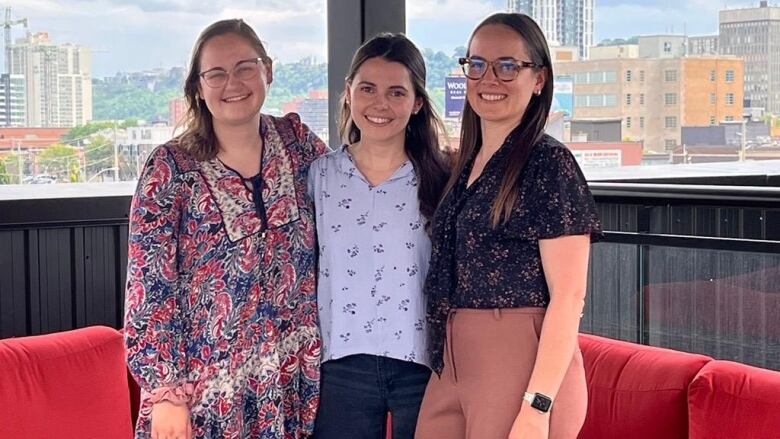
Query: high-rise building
{"type": "Point", "coordinates": [655, 97]}
{"type": "Point", "coordinates": [57, 80]}
{"type": "Point", "coordinates": [564, 22]}
{"type": "Point", "coordinates": [754, 35]}
{"type": "Point", "coordinates": [12, 101]}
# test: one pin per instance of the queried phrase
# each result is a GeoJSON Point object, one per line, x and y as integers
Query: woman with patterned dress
{"type": "Point", "coordinates": [511, 242]}
{"type": "Point", "coordinates": [220, 318]}
{"type": "Point", "coordinates": [373, 199]}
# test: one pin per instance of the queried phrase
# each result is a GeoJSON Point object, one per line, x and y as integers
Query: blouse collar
{"type": "Point", "coordinates": [235, 201]}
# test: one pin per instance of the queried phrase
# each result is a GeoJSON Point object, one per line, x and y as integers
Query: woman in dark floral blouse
{"type": "Point", "coordinates": [221, 316]}
{"type": "Point", "coordinates": [511, 242]}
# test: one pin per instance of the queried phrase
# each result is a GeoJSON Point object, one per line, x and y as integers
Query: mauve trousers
{"type": "Point", "coordinates": [488, 360]}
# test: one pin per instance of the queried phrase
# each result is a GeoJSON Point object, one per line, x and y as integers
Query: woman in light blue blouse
{"type": "Point", "coordinates": [374, 198]}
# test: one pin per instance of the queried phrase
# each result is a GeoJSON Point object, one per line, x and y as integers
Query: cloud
{"type": "Point", "coordinates": [142, 34]}
{"type": "Point", "coordinates": [446, 24]}
{"type": "Point", "coordinates": [211, 6]}
{"type": "Point", "coordinates": [133, 36]}
{"type": "Point", "coordinates": [451, 10]}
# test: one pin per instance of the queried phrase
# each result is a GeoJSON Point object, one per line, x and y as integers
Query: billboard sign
{"type": "Point", "coordinates": [454, 96]}
{"type": "Point", "coordinates": [598, 158]}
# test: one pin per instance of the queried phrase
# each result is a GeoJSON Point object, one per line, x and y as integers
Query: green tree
{"type": "Point", "coordinates": [131, 101]}
{"type": "Point", "coordinates": [81, 132]}
{"type": "Point", "coordinates": [62, 162]}
{"type": "Point", "coordinates": [98, 154]}
{"type": "Point", "coordinates": [130, 122]}
{"type": "Point", "coordinates": [295, 80]}
{"type": "Point", "coordinates": [5, 174]}
{"type": "Point", "coordinates": [437, 97]}
{"type": "Point", "coordinates": [438, 65]}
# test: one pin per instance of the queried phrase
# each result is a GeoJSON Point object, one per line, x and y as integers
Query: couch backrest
{"type": "Point", "coordinates": [636, 391]}
{"type": "Point", "coordinates": [733, 400]}
{"type": "Point", "coordinates": [71, 384]}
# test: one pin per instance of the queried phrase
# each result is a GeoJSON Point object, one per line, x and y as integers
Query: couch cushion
{"type": "Point", "coordinates": [636, 391]}
{"type": "Point", "coordinates": [69, 384]}
{"type": "Point", "coordinates": [732, 400]}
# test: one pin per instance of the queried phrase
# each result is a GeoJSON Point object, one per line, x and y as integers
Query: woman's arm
{"type": "Point", "coordinates": [154, 322]}
{"type": "Point", "coordinates": [565, 264]}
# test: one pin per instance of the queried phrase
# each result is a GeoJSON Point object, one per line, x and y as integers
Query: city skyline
{"type": "Point", "coordinates": [126, 37]}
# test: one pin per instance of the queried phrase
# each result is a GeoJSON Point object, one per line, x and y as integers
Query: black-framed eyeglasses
{"type": "Point", "coordinates": [244, 70]}
{"type": "Point", "coordinates": [505, 69]}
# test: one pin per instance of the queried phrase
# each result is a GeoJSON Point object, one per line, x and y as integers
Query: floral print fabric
{"type": "Point", "coordinates": [221, 307]}
{"type": "Point", "coordinates": [474, 265]}
{"type": "Point", "coordinates": [373, 260]}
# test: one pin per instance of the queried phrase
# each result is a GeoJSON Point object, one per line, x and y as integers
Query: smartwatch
{"type": "Point", "coordinates": [540, 402]}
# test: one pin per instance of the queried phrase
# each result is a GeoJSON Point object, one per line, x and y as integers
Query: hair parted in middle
{"type": "Point", "coordinates": [422, 133]}
{"type": "Point", "coordinates": [531, 126]}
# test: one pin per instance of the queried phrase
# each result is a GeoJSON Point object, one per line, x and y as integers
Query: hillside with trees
{"type": "Point", "coordinates": [146, 95]}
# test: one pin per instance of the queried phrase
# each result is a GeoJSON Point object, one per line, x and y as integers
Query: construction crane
{"type": "Point", "coordinates": [7, 35]}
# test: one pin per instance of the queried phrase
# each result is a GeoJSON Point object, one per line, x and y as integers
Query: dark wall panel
{"type": "Point", "coordinates": [101, 283]}
{"type": "Point", "coordinates": [13, 300]}
{"type": "Point", "coordinates": [54, 276]}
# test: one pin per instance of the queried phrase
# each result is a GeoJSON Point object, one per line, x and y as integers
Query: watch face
{"type": "Point", "coordinates": [541, 403]}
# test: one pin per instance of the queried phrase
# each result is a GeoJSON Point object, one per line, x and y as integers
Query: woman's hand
{"type": "Point", "coordinates": [530, 424]}
{"type": "Point", "coordinates": [171, 421]}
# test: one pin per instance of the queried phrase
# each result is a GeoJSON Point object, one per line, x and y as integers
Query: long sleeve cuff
{"type": "Point", "coordinates": [179, 395]}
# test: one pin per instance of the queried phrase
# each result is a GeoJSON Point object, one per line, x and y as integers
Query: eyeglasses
{"type": "Point", "coordinates": [244, 70]}
{"type": "Point", "coordinates": [505, 69]}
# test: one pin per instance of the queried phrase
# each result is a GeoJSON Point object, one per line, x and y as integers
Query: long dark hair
{"type": "Point", "coordinates": [531, 126]}
{"type": "Point", "coordinates": [421, 142]}
{"type": "Point", "coordinates": [198, 137]}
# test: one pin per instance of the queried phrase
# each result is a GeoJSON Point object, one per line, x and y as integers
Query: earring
{"type": "Point", "coordinates": [538, 92]}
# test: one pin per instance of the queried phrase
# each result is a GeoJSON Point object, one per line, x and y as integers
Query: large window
{"type": "Point", "coordinates": [99, 84]}
{"type": "Point", "coordinates": [599, 85]}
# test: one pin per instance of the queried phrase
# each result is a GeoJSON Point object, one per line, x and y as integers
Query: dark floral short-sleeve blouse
{"type": "Point", "coordinates": [475, 265]}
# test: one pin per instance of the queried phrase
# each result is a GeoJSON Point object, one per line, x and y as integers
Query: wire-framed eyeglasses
{"type": "Point", "coordinates": [505, 69]}
{"type": "Point", "coordinates": [244, 70]}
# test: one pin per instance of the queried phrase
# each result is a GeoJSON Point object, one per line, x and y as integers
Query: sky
{"type": "Point", "coordinates": [135, 35]}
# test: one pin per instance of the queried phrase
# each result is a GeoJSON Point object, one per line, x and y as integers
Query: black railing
{"type": "Point", "coordinates": [695, 268]}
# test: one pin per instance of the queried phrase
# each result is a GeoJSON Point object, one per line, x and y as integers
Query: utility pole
{"type": "Point", "coordinates": [116, 156]}
{"type": "Point", "coordinates": [19, 160]}
{"type": "Point", "coordinates": [742, 142]}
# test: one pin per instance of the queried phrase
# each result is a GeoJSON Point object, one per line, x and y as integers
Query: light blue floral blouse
{"type": "Point", "coordinates": [373, 259]}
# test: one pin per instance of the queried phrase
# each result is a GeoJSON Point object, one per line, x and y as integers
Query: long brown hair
{"type": "Point", "coordinates": [421, 142]}
{"type": "Point", "coordinates": [198, 137]}
{"type": "Point", "coordinates": [531, 126]}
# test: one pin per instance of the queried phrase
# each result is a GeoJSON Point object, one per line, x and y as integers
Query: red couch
{"type": "Point", "coordinates": [643, 392]}
{"type": "Point", "coordinates": [74, 384]}
{"type": "Point", "coordinates": [70, 384]}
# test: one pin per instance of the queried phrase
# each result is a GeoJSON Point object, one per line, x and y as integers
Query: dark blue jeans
{"type": "Point", "coordinates": [357, 392]}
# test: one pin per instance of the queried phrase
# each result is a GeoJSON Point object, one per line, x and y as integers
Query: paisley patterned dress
{"type": "Point", "coordinates": [220, 306]}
